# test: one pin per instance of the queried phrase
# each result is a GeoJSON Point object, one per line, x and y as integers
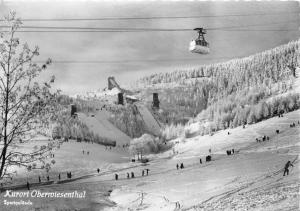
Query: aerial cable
{"type": "Point", "coordinates": [129, 61]}
{"type": "Point", "coordinates": [174, 30]}
{"type": "Point", "coordinates": [109, 29]}
{"type": "Point", "coordinates": [155, 17]}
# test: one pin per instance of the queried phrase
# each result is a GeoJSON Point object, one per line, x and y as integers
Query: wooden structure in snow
{"type": "Point", "coordinates": [73, 110]}
{"type": "Point", "coordinates": [155, 103]}
{"type": "Point", "coordinates": [120, 98]}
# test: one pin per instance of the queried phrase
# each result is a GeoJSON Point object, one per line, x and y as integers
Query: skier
{"type": "Point", "coordinates": [200, 161]}
{"type": "Point", "coordinates": [28, 185]}
{"type": "Point", "coordinates": [147, 171]}
{"type": "Point", "coordinates": [98, 170]}
{"type": "Point", "coordinates": [181, 166]}
{"type": "Point", "coordinates": [177, 166]}
{"type": "Point", "coordinates": [286, 168]}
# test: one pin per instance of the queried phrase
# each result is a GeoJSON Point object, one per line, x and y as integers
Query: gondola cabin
{"type": "Point", "coordinates": [199, 45]}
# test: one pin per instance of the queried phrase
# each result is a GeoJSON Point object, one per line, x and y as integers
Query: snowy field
{"type": "Point", "coordinates": [70, 157]}
{"type": "Point", "coordinates": [251, 179]}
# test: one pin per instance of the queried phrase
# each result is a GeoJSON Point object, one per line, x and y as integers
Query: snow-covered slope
{"type": "Point", "coordinates": [251, 179]}
{"type": "Point", "coordinates": [99, 124]}
{"type": "Point", "coordinates": [151, 123]}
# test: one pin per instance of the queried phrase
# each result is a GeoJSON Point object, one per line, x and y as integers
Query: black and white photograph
{"type": "Point", "coordinates": [160, 105]}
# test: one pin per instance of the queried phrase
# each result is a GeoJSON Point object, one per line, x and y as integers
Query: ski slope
{"type": "Point", "coordinates": [251, 179]}
{"type": "Point", "coordinates": [99, 124]}
{"type": "Point", "coordinates": [151, 123]}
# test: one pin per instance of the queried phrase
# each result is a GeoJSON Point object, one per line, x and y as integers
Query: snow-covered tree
{"type": "Point", "coordinates": [24, 103]}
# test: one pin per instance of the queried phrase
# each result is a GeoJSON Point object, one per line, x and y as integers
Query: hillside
{"type": "Point", "coordinates": [131, 119]}
{"type": "Point", "coordinates": [250, 178]}
{"type": "Point", "coordinates": [218, 91]}
{"type": "Point", "coordinates": [219, 96]}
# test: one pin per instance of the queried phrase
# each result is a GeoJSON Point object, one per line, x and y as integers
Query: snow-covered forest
{"type": "Point", "coordinates": [65, 126]}
{"type": "Point", "coordinates": [266, 67]}
{"type": "Point", "coordinates": [231, 93]}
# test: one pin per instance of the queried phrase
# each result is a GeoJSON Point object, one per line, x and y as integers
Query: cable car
{"type": "Point", "coordinates": [199, 45]}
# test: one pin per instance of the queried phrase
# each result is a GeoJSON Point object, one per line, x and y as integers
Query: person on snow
{"type": "Point", "coordinates": [286, 168]}
{"type": "Point", "coordinates": [181, 166]}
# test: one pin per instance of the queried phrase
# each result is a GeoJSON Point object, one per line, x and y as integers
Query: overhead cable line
{"type": "Point", "coordinates": [155, 17]}
{"type": "Point", "coordinates": [128, 61]}
{"type": "Point", "coordinates": [118, 29]}
{"type": "Point", "coordinates": [140, 31]}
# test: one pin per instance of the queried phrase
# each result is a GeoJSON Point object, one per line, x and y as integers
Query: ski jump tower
{"type": "Point", "coordinates": [112, 83]}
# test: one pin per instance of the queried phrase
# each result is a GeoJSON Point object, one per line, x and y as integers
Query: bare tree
{"type": "Point", "coordinates": [25, 105]}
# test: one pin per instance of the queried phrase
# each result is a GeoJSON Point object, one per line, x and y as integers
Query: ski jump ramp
{"type": "Point", "coordinates": [100, 125]}
{"type": "Point", "coordinates": [152, 125]}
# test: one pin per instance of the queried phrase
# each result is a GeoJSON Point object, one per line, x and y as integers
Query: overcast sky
{"type": "Point", "coordinates": [158, 46]}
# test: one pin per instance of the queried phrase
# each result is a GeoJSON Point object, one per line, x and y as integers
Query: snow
{"type": "Point", "coordinates": [99, 124]}
{"type": "Point", "coordinates": [151, 123]}
{"type": "Point", "coordinates": [69, 157]}
{"type": "Point", "coordinates": [249, 180]}
{"type": "Point", "coordinates": [131, 97]}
